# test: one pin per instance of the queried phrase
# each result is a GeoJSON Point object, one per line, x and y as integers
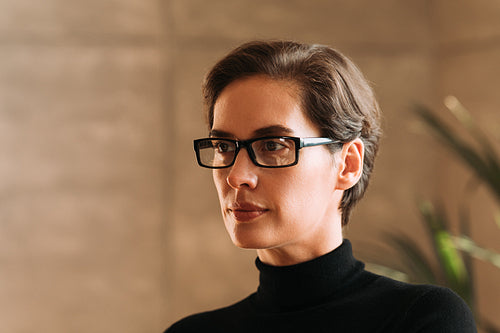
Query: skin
{"type": "Point", "coordinates": [289, 215]}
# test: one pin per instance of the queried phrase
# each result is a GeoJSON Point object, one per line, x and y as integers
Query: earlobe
{"type": "Point", "coordinates": [350, 165]}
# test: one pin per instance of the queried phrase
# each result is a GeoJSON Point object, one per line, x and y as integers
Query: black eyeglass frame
{"type": "Point", "coordinates": [299, 144]}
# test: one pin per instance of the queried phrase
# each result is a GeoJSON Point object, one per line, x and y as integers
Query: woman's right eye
{"type": "Point", "coordinates": [222, 147]}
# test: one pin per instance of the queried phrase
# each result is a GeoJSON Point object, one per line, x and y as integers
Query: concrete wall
{"type": "Point", "coordinates": [467, 37]}
{"type": "Point", "coordinates": [106, 222]}
{"type": "Point", "coordinates": [83, 167]}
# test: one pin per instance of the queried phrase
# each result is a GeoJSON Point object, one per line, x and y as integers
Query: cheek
{"type": "Point", "coordinates": [219, 178]}
{"type": "Point", "coordinates": [309, 189]}
{"type": "Point", "coordinates": [299, 195]}
{"type": "Point", "coordinates": [293, 194]}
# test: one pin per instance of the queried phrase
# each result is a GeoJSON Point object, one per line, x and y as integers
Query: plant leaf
{"type": "Point", "coordinates": [486, 166]}
{"type": "Point", "coordinates": [452, 263]}
{"type": "Point", "coordinates": [419, 268]}
{"type": "Point", "coordinates": [466, 244]}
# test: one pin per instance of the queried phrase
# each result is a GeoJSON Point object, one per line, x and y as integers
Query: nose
{"type": "Point", "coordinates": [243, 172]}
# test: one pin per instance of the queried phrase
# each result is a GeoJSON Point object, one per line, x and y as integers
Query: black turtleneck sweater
{"type": "Point", "coordinates": [333, 293]}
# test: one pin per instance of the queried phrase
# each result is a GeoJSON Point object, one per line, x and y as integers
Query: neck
{"type": "Point", "coordinates": [292, 254]}
{"type": "Point", "coordinates": [298, 286]}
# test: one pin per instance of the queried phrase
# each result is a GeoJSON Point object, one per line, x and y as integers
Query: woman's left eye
{"type": "Point", "coordinates": [273, 146]}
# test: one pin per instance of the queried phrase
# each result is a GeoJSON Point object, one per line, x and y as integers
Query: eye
{"type": "Point", "coordinates": [223, 147]}
{"type": "Point", "coordinates": [273, 145]}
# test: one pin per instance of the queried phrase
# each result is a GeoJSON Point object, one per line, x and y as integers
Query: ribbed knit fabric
{"type": "Point", "coordinates": [333, 293]}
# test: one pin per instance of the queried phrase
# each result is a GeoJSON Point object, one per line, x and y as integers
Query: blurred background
{"type": "Point", "coordinates": [106, 222]}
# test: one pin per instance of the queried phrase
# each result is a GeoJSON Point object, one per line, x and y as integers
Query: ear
{"type": "Point", "coordinates": [350, 165]}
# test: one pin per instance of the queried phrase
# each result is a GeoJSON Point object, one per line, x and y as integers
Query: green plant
{"type": "Point", "coordinates": [454, 253]}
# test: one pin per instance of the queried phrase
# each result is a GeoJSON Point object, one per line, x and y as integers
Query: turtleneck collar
{"type": "Point", "coordinates": [286, 288]}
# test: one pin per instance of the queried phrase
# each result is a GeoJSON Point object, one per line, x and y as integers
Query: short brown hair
{"type": "Point", "coordinates": [335, 95]}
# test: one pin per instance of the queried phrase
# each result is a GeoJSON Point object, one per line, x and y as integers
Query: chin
{"type": "Point", "coordinates": [252, 235]}
{"type": "Point", "coordinates": [250, 241]}
{"type": "Point", "coordinates": [248, 244]}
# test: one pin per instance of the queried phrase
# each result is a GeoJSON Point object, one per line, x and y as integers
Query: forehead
{"type": "Point", "coordinates": [250, 104]}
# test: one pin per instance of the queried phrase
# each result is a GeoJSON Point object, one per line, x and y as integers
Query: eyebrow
{"type": "Point", "coordinates": [265, 131]}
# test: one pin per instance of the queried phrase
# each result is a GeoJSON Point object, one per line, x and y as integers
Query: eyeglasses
{"type": "Point", "coordinates": [267, 152]}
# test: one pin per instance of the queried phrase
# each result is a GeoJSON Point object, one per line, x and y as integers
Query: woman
{"type": "Point", "coordinates": [294, 130]}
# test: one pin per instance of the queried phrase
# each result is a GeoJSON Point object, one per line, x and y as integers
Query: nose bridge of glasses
{"type": "Point", "coordinates": [247, 144]}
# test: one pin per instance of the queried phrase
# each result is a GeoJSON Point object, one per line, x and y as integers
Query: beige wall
{"type": "Point", "coordinates": [106, 222]}
{"type": "Point", "coordinates": [83, 167]}
{"type": "Point", "coordinates": [468, 54]}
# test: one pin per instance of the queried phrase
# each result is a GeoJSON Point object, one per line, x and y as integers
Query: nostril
{"type": "Point", "coordinates": [243, 173]}
{"type": "Point", "coordinates": [236, 184]}
{"type": "Point", "coordinates": [241, 178]}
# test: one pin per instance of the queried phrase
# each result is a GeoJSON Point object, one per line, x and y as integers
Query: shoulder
{"type": "Point", "coordinates": [193, 323]}
{"type": "Point", "coordinates": [438, 309]}
{"type": "Point", "coordinates": [209, 320]}
{"type": "Point", "coordinates": [427, 308]}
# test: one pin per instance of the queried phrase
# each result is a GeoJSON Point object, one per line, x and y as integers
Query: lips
{"type": "Point", "coordinates": [245, 212]}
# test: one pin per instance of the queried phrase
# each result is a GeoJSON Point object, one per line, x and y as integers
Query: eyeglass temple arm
{"type": "Point", "coordinates": [309, 142]}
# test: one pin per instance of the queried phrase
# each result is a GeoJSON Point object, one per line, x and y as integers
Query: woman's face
{"type": "Point", "coordinates": [291, 212]}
